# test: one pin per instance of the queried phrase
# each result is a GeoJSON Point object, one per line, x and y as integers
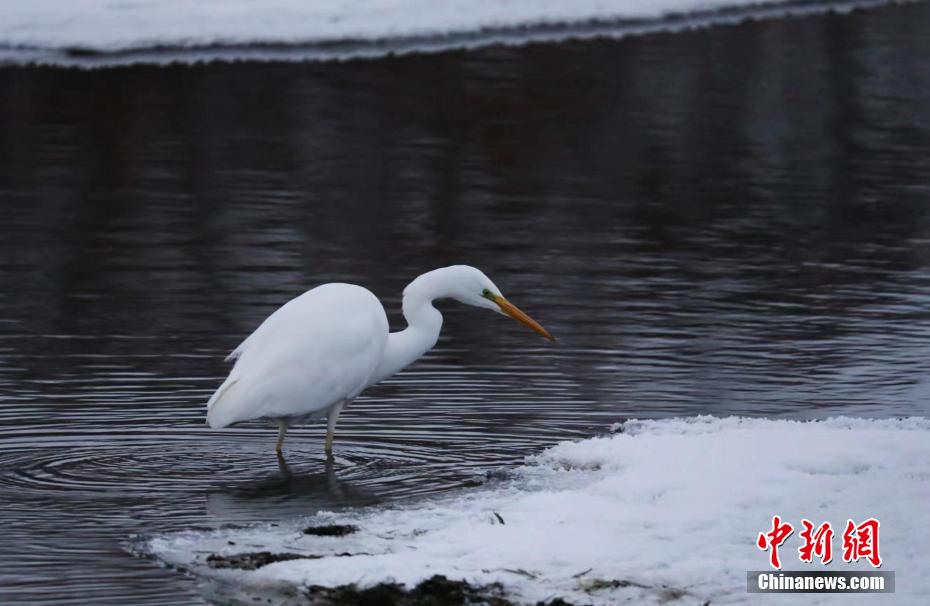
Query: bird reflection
{"type": "Point", "coordinates": [286, 494]}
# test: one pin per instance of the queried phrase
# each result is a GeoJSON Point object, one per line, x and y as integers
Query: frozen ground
{"type": "Point", "coordinates": [669, 508]}
{"type": "Point", "coordinates": [51, 31]}
{"type": "Point", "coordinates": [109, 25]}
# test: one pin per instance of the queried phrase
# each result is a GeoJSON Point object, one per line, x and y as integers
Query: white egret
{"type": "Point", "coordinates": [317, 352]}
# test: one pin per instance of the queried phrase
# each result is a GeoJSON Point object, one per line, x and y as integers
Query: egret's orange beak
{"type": "Point", "coordinates": [517, 314]}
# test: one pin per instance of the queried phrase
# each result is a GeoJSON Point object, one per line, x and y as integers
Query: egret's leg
{"type": "Point", "coordinates": [282, 429]}
{"type": "Point", "coordinates": [331, 427]}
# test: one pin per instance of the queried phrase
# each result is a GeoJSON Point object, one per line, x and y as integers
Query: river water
{"type": "Point", "coordinates": [734, 220]}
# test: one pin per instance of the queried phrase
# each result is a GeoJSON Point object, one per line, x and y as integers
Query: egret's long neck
{"type": "Point", "coordinates": [424, 322]}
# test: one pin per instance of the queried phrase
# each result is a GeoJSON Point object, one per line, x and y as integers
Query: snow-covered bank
{"type": "Point", "coordinates": [671, 509]}
{"type": "Point", "coordinates": [102, 32]}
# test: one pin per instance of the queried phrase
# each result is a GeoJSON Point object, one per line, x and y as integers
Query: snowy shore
{"type": "Point", "coordinates": [103, 33]}
{"type": "Point", "coordinates": [658, 511]}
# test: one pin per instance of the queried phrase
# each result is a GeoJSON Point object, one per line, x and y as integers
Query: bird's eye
{"type": "Point", "coordinates": [486, 293]}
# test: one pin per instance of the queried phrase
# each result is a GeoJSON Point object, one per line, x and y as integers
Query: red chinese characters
{"type": "Point", "coordinates": [861, 542]}
{"type": "Point", "coordinates": [772, 540]}
{"type": "Point", "coordinates": [817, 542]}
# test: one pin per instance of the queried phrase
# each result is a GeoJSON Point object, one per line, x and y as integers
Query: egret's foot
{"type": "Point", "coordinates": [282, 466]}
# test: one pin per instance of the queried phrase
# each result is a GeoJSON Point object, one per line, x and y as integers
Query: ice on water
{"type": "Point", "coordinates": [671, 508]}
{"type": "Point", "coordinates": [107, 25]}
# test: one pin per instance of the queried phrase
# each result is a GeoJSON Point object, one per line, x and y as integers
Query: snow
{"type": "Point", "coordinates": [31, 29]}
{"type": "Point", "coordinates": [672, 506]}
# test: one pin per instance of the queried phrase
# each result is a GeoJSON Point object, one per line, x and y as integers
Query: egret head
{"type": "Point", "coordinates": [472, 287]}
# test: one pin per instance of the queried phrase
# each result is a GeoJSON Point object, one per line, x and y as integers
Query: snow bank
{"type": "Point", "coordinates": [670, 508]}
{"type": "Point", "coordinates": [30, 30]}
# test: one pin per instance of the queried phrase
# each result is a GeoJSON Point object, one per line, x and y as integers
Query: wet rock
{"type": "Point", "coordinates": [331, 530]}
{"type": "Point", "coordinates": [253, 560]}
{"type": "Point", "coordinates": [598, 584]}
{"type": "Point", "coordinates": [435, 591]}
{"type": "Point", "coordinates": [663, 592]}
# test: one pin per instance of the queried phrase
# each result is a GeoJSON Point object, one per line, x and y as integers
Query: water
{"type": "Point", "coordinates": [725, 221]}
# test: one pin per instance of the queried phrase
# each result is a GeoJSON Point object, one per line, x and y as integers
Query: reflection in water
{"type": "Point", "coordinates": [285, 495]}
{"type": "Point", "coordinates": [727, 221]}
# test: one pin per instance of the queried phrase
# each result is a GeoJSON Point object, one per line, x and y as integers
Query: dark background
{"type": "Point", "coordinates": [726, 221]}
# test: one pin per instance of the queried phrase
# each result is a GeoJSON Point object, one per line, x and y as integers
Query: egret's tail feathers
{"type": "Point", "coordinates": [218, 409]}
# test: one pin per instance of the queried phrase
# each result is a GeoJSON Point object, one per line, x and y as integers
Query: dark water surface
{"type": "Point", "coordinates": [728, 221]}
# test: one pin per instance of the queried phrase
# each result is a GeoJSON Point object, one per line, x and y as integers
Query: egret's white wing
{"type": "Point", "coordinates": [316, 350]}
